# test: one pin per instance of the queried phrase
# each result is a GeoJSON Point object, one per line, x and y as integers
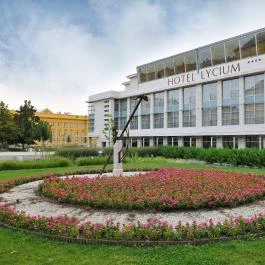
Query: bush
{"type": "Point", "coordinates": [87, 161]}
{"type": "Point", "coordinates": [144, 151]}
{"type": "Point", "coordinates": [31, 164]}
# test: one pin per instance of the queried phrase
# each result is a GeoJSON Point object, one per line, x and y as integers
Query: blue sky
{"type": "Point", "coordinates": [59, 52]}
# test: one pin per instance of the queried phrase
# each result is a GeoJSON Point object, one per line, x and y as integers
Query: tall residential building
{"type": "Point", "coordinates": [212, 96]}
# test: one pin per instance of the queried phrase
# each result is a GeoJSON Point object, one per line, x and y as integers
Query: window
{"type": "Point", "coordinates": [252, 141]}
{"type": "Point", "coordinates": [209, 110]}
{"type": "Point", "coordinates": [160, 71]}
{"type": "Point", "coordinates": [150, 72]}
{"type": "Point", "coordinates": [254, 99]}
{"type": "Point", "coordinates": [248, 46]}
{"type": "Point", "coordinates": [133, 142]}
{"type": "Point", "coordinates": [142, 74]}
{"type": "Point", "coordinates": [169, 67]}
{"type": "Point", "coordinates": [158, 141]}
{"type": "Point", "coordinates": [172, 140]}
{"type": "Point", "coordinates": [230, 142]}
{"type": "Point", "coordinates": [134, 123]}
{"type": "Point", "coordinates": [123, 107]}
{"type": "Point", "coordinates": [173, 108]}
{"type": "Point", "coordinates": [145, 121]}
{"type": "Point", "coordinates": [179, 64]}
{"type": "Point", "coordinates": [189, 141]}
{"type": "Point", "coordinates": [218, 54]}
{"type": "Point", "coordinates": [261, 42]}
{"type": "Point", "coordinates": [159, 120]}
{"type": "Point", "coordinates": [209, 141]}
{"type": "Point", "coordinates": [173, 119]}
{"type": "Point", "coordinates": [159, 102]}
{"type": "Point", "coordinates": [190, 61]}
{"type": "Point", "coordinates": [232, 50]}
{"type": "Point", "coordinates": [145, 141]}
{"type": "Point", "coordinates": [230, 102]}
{"type": "Point", "coordinates": [205, 57]}
{"type": "Point", "coordinates": [122, 122]}
{"type": "Point", "coordinates": [189, 107]}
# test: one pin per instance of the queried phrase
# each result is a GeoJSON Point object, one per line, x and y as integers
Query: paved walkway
{"type": "Point", "coordinates": [26, 198]}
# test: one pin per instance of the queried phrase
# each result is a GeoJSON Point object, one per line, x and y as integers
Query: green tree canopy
{"type": "Point", "coordinates": [27, 123]}
{"type": "Point", "coordinates": [8, 128]}
{"type": "Point", "coordinates": [43, 131]}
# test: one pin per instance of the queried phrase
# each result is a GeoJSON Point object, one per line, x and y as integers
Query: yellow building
{"type": "Point", "coordinates": [66, 129]}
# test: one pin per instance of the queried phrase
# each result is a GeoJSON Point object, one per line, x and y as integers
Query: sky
{"type": "Point", "coordinates": [58, 52]}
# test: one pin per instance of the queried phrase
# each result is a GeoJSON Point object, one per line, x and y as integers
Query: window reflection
{"type": "Point", "coordinates": [232, 50]}
{"type": "Point", "coordinates": [261, 42]}
{"type": "Point", "coordinates": [169, 67]}
{"type": "Point", "coordinates": [179, 64]}
{"type": "Point", "coordinates": [142, 74]}
{"type": "Point", "coordinates": [218, 54]}
{"type": "Point", "coordinates": [190, 61]}
{"type": "Point", "coordinates": [205, 58]}
{"type": "Point", "coordinates": [160, 73]}
{"type": "Point", "coordinates": [248, 46]}
{"type": "Point", "coordinates": [150, 72]}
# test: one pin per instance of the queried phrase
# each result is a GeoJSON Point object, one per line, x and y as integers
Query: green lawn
{"type": "Point", "coordinates": [19, 248]}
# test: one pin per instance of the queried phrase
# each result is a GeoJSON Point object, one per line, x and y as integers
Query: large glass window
{"type": "Point", "coordinates": [145, 141]}
{"type": "Point", "coordinates": [189, 141]}
{"type": "Point", "coordinates": [230, 102]}
{"type": "Point", "coordinates": [160, 71]}
{"type": "Point", "coordinates": [205, 57]}
{"type": "Point", "coordinates": [145, 121]}
{"type": "Point", "coordinates": [218, 54]}
{"type": "Point", "coordinates": [172, 140]}
{"type": "Point", "coordinates": [254, 99]}
{"type": "Point", "coordinates": [134, 121]}
{"type": "Point", "coordinates": [209, 110]}
{"type": "Point", "coordinates": [158, 141]}
{"type": "Point", "coordinates": [252, 141]}
{"type": "Point", "coordinates": [179, 64]}
{"type": "Point", "coordinates": [248, 46]}
{"type": "Point", "coordinates": [232, 50]}
{"type": "Point", "coordinates": [209, 141]}
{"type": "Point", "coordinates": [190, 61]}
{"type": "Point", "coordinates": [159, 120]}
{"type": "Point", "coordinates": [142, 74]}
{"type": "Point", "coordinates": [173, 119]}
{"type": "Point", "coordinates": [189, 107]}
{"type": "Point", "coordinates": [230, 142]}
{"type": "Point", "coordinates": [169, 67]}
{"type": "Point", "coordinates": [261, 42]}
{"type": "Point", "coordinates": [123, 107]}
{"type": "Point", "coordinates": [150, 72]}
{"type": "Point", "coordinates": [159, 102]}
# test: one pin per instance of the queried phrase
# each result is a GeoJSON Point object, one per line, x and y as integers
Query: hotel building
{"type": "Point", "coordinates": [212, 96]}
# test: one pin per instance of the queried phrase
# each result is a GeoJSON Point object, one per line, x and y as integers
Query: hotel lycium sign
{"type": "Point", "coordinates": [204, 74]}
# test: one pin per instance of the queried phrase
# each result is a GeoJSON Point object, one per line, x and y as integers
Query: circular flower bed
{"type": "Point", "coordinates": [164, 189]}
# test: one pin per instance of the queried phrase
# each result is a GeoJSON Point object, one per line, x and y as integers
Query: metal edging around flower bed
{"type": "Point", "coordinates": [133, 243]}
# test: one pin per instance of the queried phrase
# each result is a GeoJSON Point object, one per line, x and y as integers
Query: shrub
{"type": "Point", "coordinates": [31, 164]}
{"type": "Point", "coordinates": [87, 161]}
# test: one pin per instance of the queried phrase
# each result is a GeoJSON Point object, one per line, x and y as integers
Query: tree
{"type": "Point", "coordinates": [110, 131]}
{"type": "Point", "coordinates": [8, 128]}
{"type": "Point", "coordinates": [27, 122]}
{"type": "Point", "coordinates": [68, 139]}
{"type": "Point", "coordinates": [44, 132]}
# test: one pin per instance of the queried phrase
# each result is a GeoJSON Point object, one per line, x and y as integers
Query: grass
{"type": "Point", "coordinates": [19, 248]}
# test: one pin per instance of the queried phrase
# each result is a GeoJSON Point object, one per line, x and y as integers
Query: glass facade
{"type": "Point", "coordinates": [145, 113]}
{"type": "Point", "coordinates": [173, 108]}
{"type": "Point", "coordinates": [230, 102]}
{"type": "Point", "coordinates": [172, 140]}
{"type": "Point", "coordinates": [230, 141]}
{"type": "Point", "coordinates": [189, 141]}
{"type": "Point", "coordinates": [252, 141]}
{"type": "Point", "coordinates": [209, 141]}
{"type": "Point", "coordinates": [134, 120]}
{"type": "Point", "coordinates": [209, 105]}
{"type": "Point", "coordinates": [189, 107]}
{"type": "Point", "coordinates": [241, 47]}
{"type": "Point", "coordinates": [254, 99]}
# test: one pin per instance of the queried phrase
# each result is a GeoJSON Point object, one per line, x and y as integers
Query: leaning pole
{"type": "Point", "coordinates": [118, 145]}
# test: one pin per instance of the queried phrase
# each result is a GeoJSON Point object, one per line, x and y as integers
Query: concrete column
{"type": "Point", "coordinates": [181, 109]}
{"type": "Point", "coordinates": [180, 141]}
{"type": "Point", "coordinates": [241, 142]}
{"type": "Point", "coordinates": [139, 117]}
{"type": "Point", "coordinates": [260, 142]}
{"type": "Point", "coordinates": [139, 142]}
{"type": "Point", "coordinates": [219, 103]}
{"type": "Point", "coordinates": [151, 141]}
{"type": "Point", "coordinates": [198, 105]}
{"type": "Point", "coordinates": [199, 141]}
{"type": "Point", "coordinates": [219, 142]}
{"type": "Point", "coordinates": [117, 165]}
{"type": "Point", "coordinates": [165, 109]}
{"type": "Point", "coordinates": [151, 111]}
{"type": "Point", "coordinates": [165, 140]}
{"type": "Point", "coordinates": [128, 108]}
{"type": "Point", "coordinates": [241, 102]}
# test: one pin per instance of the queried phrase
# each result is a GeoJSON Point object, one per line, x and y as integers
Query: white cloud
{"type": "Point", "coordinates": [58, 64]}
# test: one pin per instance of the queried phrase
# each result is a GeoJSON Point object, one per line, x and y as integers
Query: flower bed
{"type": "Point", "coordinates": [164, 189]}
{"type": "Point", "coordinates": [153, 230]}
